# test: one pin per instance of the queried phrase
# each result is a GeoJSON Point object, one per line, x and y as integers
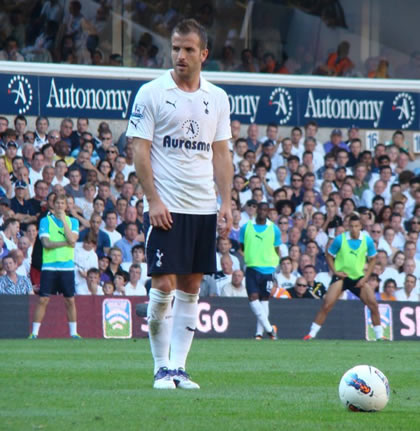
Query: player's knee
{"type": "Point", "coordinates": [164, 284]}
{"type": "Point", "coordinates": [44, 300]}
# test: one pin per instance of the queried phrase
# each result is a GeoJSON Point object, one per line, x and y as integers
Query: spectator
{"type": "Point", "coordinates": [224, 276]}
{"type": "Point", "coordinates": [315, 288]}
{"type": "Point", "coordinates": [236, 288]}
{"type": "Point", "coordinates": [409, 292]}
{"type": "Point", "coordinates": [73, 188]}
{"type": "Point", "coordinates": [115, 255]}
{"type": "Point", "coordinates": [224, 248]}
{"type": "Point", "coordinates": [135, 287]}
{"type": "Point", "coordinates": [11, 51]}
{"type": "Point", "coordinates": [128, 241]}
{"type": "Point", "coordinates": [300, 289]}
{"type": "Point", "coordinates": [390, 288]}
{"type": "Point", "coordinates": [9, 233]}
{"type": "Point", "coordinates": [85, 258]}
{"type": "Point", "coordinates": [103, 242]}
{"type": "Point", "coordinates": [12, 283]}
{"type": "Point", "coordinates": [335, 142]}
{"type": "Point", "coordinates": [93, 282]}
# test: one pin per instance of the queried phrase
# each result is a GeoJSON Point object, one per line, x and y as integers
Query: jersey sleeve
{"type": "Point", "coordinates": [277, 236]}
{"type": "Point", "coordinates": [371, 249]}
{"type": "Point", "coordinates": [223, 130]}
{"type": "Point", "coordinates": [141, 123]}
{"type": "Point", "coordinates": [335, 246]}
{"type": "Point", "coordinates": [74, 225]}
{"type": "Point", "coordinates": [44, 231]}
{"type": "Point", "coordinates": [242, 234]}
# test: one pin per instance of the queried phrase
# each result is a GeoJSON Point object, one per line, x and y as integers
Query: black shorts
{"type": "Point", "coordinates": [53, 282]}
{"type": "Point", "coordinates": [257, 282]}
{"type": "Point", "coordinates": [348, 284]}
{"type": "Point", "coordinates": [189, 247]}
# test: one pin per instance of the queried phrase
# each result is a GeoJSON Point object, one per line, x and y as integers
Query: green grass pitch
{"type": "Point", "coordinates": [246, 385]}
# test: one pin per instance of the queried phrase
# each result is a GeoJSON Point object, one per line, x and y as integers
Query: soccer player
{"type": "Point", "coordinates": [346, 259]}
{"type": "Point", "coordinates": [58, 234]}
{"type": "Point", "coordinates": [260, 240]}
{"type": "Point", "coordinates": [180, 127]}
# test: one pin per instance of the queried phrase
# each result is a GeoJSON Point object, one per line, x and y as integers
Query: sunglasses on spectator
{"type": "Point", "coordinates": [53, 137]}
{"type": "Point", "coordinates": [301, 285]}
{"type": "Point", "coordinates": [283, 222]}
{"type": "Point", "coordinates": [111, 152]}
{"type": "Point", "coordinates": [376, 231]}
{"type": "Point", "coordinates": [415, 222]}
{"type": "Point", "coordinates": [106, 139]}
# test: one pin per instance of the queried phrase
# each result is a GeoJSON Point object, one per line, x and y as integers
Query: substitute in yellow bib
{"type": "Point", "coordinates": [346, 258]}
{"type": "Point", "coordinates": [58, 234]}
{"type": "Point", "coordinates": [260, 241]}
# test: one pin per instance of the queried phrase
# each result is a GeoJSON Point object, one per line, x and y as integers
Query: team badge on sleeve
{"type": "Point", "coordinates": [138, 111]}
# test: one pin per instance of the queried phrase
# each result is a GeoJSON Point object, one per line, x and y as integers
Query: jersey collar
{"type": "Point", "coordinates": [170, 84]}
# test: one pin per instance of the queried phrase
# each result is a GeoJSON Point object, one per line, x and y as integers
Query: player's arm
{"type": "Point", "coordinates": [158, 212]}
{"type": "Point", "coordinates": [223, 174]}
{"type": "Point", "coordinates": [47, 243]}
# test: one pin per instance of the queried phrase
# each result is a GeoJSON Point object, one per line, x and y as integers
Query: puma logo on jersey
{"type": "Point", "coordinates": [259, 237]}
{"type": "Point", "coordinates": [171, 103]}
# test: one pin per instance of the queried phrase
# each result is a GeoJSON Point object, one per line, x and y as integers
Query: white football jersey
{"type": "Point", "coordinates": [182, 127]}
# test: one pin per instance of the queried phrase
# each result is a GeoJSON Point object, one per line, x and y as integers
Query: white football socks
{"type": "Point", "coordinates": [35, 328]}
{"type": "Point", "coordinates": [266, 308]}
{"type": "Point", "coordinates": [379, 331]}
{"type": "Point", "coordinates": [185, 315]}
{"type": "Point", "coordinates": [314, 329]}
{"type": "Point", "coordinates": [261, 315]}
{"type": "Point", "coordinates": [159, 321]}
{"type": "Point", "coordinates": [73, 328]}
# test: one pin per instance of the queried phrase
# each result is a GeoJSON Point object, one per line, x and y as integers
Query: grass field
{"type": "Point", "coordinates": [246, 385]}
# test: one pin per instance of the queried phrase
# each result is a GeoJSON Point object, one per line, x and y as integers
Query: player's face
{"type": "Point", "coordinates": [187, 55]}
{"type": "Point", "coordinates": [355, 228]}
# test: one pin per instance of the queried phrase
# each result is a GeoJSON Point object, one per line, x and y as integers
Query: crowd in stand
{"type": "Point", "coordinates": [47, 31]}
{"type": "Point", "coordinates": [312, 189]}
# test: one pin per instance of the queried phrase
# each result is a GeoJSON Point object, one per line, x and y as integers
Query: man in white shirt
{"type": "Point", "coordinates": [224, 276]}
{"type": "Point", "coordinates": [111, 221]}
{"type": "Point", "coordinates": [84, 259]}
{"type": "Point", "coordinates": [409, 292]}
{"type": "Point", "coordinates": [180, 127]}
{"type": "Point", "coordinates": [236, 288]}
{"type": "Point", "coordinates": [285, 279]}
{"type": "Point", "coordinates": [224, 246]}
{"type": "Point", "coordinates": [9, 233]}
{"type": "Point", "coordinates": [137, 255]}
{"type": "Point", "coordinates": [134, 287]}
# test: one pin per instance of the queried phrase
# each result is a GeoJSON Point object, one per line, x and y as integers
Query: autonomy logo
{"type": "Point", "coordinates": [283, 100]}
{"type": "Point", "coordinates": [20, 86]}
{"type": "Point", "coordinates": [116, 318]}
{"type": "Point", "coordinates": [404, 103]}
{"type": "Point", "coordinates": [191, 128]}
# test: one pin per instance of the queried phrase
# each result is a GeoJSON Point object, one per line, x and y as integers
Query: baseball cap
{"type": "Point", "coordinates": [337, 132]}
{"type": "Point", "coordinates": [11, 144]}
{"type": "Point", "coordinates": [354, 126]}
{"type": "Point", "coordinates": [20, 185]}
{"type": "Point", "coordinates": [4, 201]}
{"type": "Point", "coordinates": [297, 215]}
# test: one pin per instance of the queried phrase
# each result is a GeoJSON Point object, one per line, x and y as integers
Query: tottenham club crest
{"type": "Point", "coordinates": [281, 98]}
{"type": "Point", "coordinates": [191, 129]}
{"type": "Point", "coordinates": [21, 87]}
{"type": "Point", "coordinates": [404, 103]}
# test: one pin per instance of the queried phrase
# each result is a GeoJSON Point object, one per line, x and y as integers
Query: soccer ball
{"type": "Point", "coordinates": [364, 389]}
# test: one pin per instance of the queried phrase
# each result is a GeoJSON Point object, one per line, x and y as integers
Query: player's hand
{"type": "Point", "coordinates": [61, 215]}
{"type": "Point", "coordinates": [341, 274]}
{"type": "Point", "coordinates": [159, 215]}
{"type": "Point", "coordinates": [224, 220]}
{"type": "Point", "coordinates": [71, 243]}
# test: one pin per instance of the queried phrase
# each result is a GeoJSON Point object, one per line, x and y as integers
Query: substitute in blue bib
{"type": "Point", "coordinates": [58, 234]}
{"type": "Point", "coordinates": [260, 241]}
